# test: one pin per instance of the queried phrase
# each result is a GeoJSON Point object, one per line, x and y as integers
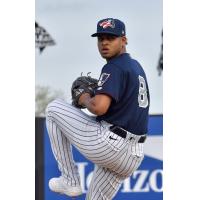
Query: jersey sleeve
{"type": "Point", "coordinates": [110, 81]}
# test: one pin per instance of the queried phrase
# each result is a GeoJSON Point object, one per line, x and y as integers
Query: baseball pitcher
{"type": "Point", "coordinates": [113, 140]}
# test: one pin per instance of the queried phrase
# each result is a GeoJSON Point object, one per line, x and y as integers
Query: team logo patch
{"type": "Point", "coordinates": [103, 78]}
{"type": "Point", "coordinates": [107, 23]}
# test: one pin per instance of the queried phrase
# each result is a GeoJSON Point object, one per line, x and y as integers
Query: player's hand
{"type": "Point", "coordinates": [83, 84]}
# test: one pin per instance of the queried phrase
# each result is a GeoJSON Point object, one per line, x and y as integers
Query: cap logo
{"type": "Point", "coordinates": [107, 23]}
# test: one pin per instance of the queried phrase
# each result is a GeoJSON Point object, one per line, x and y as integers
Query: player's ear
{"type": "Point", "coordinates": [125, 40]}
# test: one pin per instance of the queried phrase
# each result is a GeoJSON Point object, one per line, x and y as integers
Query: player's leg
{"type": "Point", "coordinates": [106, 182]}
{"type": "Point", "coordinates": [80, 129]}
{"type": "Point", "coordinates": [69, 181]}
{"type": "Point", "coordinates": [83, 131]}
{"type": "Point", "coordinates": [104, 185]}
{"type": "Point", "coordinates": [67, 124]}
{"type": "Point", "coordinates": [61, 148]}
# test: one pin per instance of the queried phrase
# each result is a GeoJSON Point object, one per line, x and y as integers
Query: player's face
{"type": "Point", "coordinates": [111, 46]}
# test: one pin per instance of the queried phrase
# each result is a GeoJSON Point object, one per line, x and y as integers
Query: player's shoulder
{"type": "Point", "coordinates": [123, 64]}
{"type": "Point", "coordinates": [137, 66]}
{"type": "Point", "coordinates": [111, 67]}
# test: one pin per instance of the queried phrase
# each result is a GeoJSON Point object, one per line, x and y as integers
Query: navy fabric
{"type": "Point", "coordinates": [121, 79]}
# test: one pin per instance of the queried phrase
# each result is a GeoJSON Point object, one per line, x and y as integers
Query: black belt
{"type": "Point", "coordinates": [122, 133]}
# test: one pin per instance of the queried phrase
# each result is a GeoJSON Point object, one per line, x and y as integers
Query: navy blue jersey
{"type": "Point", "coordinates": [123, 79]}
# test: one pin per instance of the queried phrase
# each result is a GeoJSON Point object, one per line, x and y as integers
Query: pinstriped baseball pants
{"type": "Point", "coordinates": [115, 158]}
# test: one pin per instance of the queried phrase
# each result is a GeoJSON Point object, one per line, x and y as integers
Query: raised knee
{"type": "Point", "coordinates": [51, 108]}
{"type": "Point", "coordinates": [55, 106]}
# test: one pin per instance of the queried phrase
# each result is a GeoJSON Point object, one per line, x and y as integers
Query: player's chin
{"type": "Point", "coordinates": [106, 55]}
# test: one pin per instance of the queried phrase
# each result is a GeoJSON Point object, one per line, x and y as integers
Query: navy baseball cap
{"type": "Point", "coordinates": [110, 26]}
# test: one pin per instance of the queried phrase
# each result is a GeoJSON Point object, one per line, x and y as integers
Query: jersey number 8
{"type": "Point", "coordinates": [142, 96]}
